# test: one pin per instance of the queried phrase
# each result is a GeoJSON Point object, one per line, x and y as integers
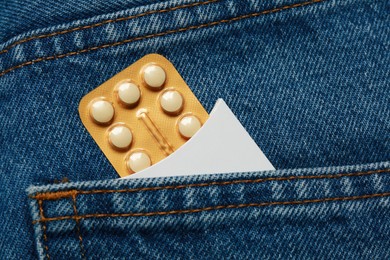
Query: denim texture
{"type": "Point", "coordinates": [338, 213]}
{"type": "Point", "coordinates": [309, 80]}
{"type": "Point", "coordinates": [18, 16]}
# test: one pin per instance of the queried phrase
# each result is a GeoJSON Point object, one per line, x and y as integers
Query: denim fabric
{"type": "Point", "coordinates": [339, 213]}
{"type": "Point", "coordinates": [309, 80]}
{"type": "Point", "coordinates": [18, 16]}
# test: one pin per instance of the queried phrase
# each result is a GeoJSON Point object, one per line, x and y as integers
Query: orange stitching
{"type": "Point", "coordinates": [82, 249]}
{"type": "Point", "coordinates": [63, 194]}
{"type": "Point", "coordinates": [43, 229]}
{"type": "Point", "coordinates": [58, 195]}
{"type": "Point", "coordinates": [233, 206]}
{"type": "Point", "coordinates": [6, 49]}
{"type": "Point", "coordinates": [159, 34]}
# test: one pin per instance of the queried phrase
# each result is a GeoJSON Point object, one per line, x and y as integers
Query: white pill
{"type": "Point", "coordinates": [138, 161]}
{"type": "Point", "coordinates": [188, 126]}
{"type": "Point", "coordinates": [120, 137]}
{"type": "Point", "coordinates": [128, 93]}
{"type": "Point", "coordinates": [154, 76]}
{"type": "Point", "coordinates": [102, 111]}
{"type": "Point", "coordinates": [171, 101]}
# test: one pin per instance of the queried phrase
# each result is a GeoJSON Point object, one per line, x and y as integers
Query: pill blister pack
{"type": "Point", "coordinates": [142, 114]}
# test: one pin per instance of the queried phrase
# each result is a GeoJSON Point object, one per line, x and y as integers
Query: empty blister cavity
{"type": "Point", "coordinates": [102, 111]}
{"type": "Point", "coordinates": [189, 125]}
{"type": "Point", "coordinates": [171, 101]}
{"type": "Point", "coordinates": [120, 137]}
{"type": "Point", "coordinates": [154, 76]}
{"type": "Point", "coordinates": [138, 161]}
{"type": "Point", "coordinates": [128, 93]}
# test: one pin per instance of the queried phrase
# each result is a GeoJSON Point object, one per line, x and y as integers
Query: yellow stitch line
{"type": "Point", "coordinates": [160, 34]}
{"type": "Point", "coordinates": [62, 194]}
{"type": "Point", "coordinates": [55, 195]}
{"type": "Point", "coordinates": [82, 249]}
{"type": "Point", "coordinates": [236, 182]}
{"type": "Point", "coordinates": [43, 228]}
{"type": "Point", "coordinates": [6, 49]}
{"type": "Point", "coordinates": [232, 206]}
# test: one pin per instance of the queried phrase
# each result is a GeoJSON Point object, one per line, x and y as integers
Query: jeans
{"type": "Point", "coordinates": [309, 80]}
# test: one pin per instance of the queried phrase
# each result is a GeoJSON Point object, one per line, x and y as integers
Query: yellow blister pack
{"type": "Point", "coordinates": [142, 114]}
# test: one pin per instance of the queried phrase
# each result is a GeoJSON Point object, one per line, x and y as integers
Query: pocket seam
{"type": "Point", "coordinates": [219, 207]}
{"type": "Point", "coordinates": [43, 229]}
{"type": "Point", "coordinates": [56, 195]}
{"type": "Point", "coordinates": [40, 197]}
{"type": "Point", "coordinates": [78, 229]}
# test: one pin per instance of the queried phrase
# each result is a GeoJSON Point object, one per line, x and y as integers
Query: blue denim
{"type": "Point", "coordinates": [309, 80]}
{"type": "Point", "coordinates": [18, 16]}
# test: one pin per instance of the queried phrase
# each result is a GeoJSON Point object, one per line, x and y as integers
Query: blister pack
{"type": "Point", "coordinates": [142, 114]}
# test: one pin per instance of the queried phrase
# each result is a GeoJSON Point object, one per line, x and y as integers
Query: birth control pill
{"type": "Point", "coordinates": [120, 137]}
{"type": "Point", "coordinates": [138, 161]}
{"type": "Point", "coordinates": [154, 76]}
{"type": "Point", "coordinates": [102, 111]}
{"type": "Point", "coordinates": [171, 101]}
{"type": "Point", "coordinates": [142, 114]}
{"type": "Point", "coordinates": [128, 93]}
{"type": "Point", "coordinates": [188, 126]}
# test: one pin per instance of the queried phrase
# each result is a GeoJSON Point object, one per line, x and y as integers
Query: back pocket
{"type": "Point", "coordinates": [304, 213]}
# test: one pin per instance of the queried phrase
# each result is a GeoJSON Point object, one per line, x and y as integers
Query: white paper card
{"type": "Point", "coordinates": [222, 145]}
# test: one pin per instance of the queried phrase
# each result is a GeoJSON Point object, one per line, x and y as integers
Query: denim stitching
{"type": "Point", "coordinates": [82, 249]}
{"type": "Point", "coordinates": [63, 194]}
{"type": "Point", "coordinates": [7, 48]}
{"type": "Point", "coordinates": [232, 206]}
{"type": "Point", "coordinates": [43, 229]}
{"type": "Point", "coordinates": [251, 15]}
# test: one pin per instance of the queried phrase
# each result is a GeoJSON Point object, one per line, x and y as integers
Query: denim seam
{"type": "Point", "coordinates": [43, 229]}
{"type": "Point", "coordinates": [224, 21]}
{"type": "Point", "coordinates": [69, 193]}
{"type": "Point", "coordinates": [121, 19]}
{"type": "Point", "coordinates": [220, 207]}
{"type": "Point", "coordinates": [82, 249]}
